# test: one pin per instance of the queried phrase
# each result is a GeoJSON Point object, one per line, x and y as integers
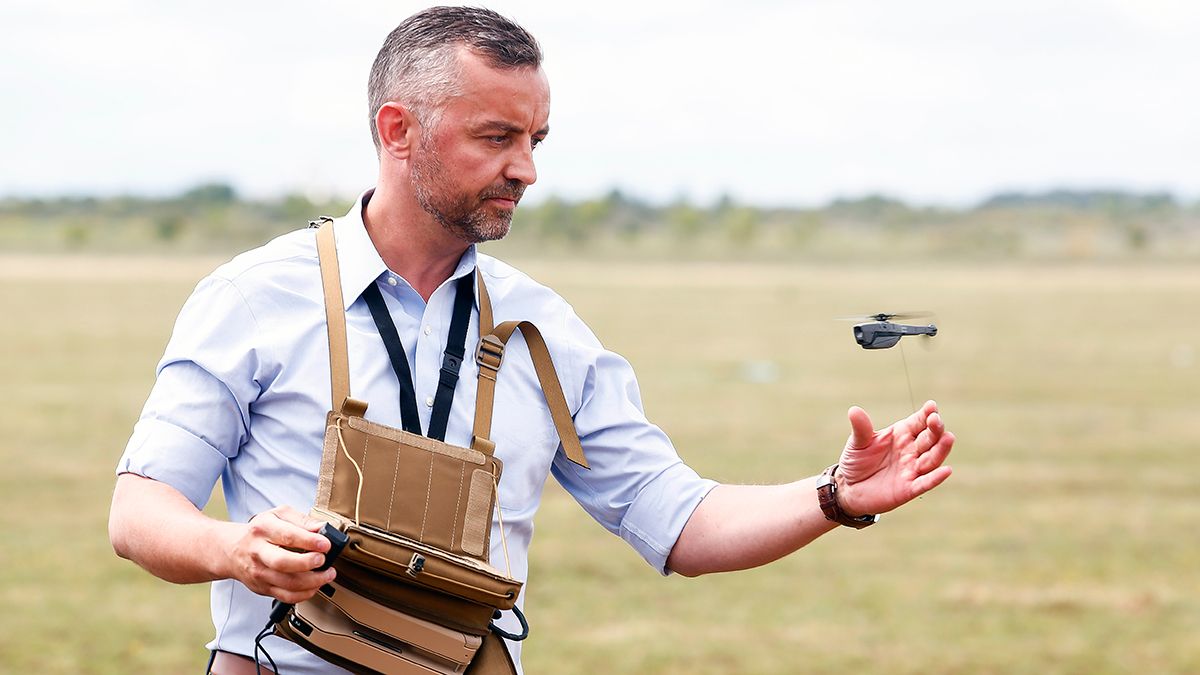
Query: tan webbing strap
{"type": "Point", "coordinates": [489, 357]}
{"type": "Point", "coordinates": [485, 305]}
{"type": "Point", "coordinates": [335, 316]}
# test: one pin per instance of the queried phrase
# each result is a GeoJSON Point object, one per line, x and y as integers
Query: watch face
{"type": "Point", "coordinates": [863, 521]}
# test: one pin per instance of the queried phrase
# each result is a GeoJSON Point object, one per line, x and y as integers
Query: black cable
{"type": "Point", "coordinates": [265, 632]}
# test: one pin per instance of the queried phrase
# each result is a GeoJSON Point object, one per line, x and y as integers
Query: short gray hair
{"type": "Point", "coordinates": [418, 63]}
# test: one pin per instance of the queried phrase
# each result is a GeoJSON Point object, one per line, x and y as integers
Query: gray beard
{"type": "Point", "coordinates": [465, 217]}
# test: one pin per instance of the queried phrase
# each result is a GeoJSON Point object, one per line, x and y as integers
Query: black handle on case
{"type": "Point", "coordinates": [337, 542]}
{"type": "Point", "coordinates": [507, 635]}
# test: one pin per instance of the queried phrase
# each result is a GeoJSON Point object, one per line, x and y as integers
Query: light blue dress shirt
{"type": "Point", "coordinates": [243, 389]}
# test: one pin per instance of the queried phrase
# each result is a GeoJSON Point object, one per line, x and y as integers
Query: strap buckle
{"type": "Point", "coordinates": [451, 364]}
{"type": "Point", "coordinates": [490, 353]}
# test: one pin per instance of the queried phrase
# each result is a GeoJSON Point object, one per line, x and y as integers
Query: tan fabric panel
{"type": "Point", "coordinates": [408, 487]}
{"type": "Point", "coordinates": [422, 442]}
{"type": "Point", "coordinates": [479, 513]}
{"type": "Point", "coordinates": [328, 456]}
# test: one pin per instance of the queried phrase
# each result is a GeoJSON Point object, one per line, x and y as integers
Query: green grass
{"type": "Point", "coordinates": [1064, 543]}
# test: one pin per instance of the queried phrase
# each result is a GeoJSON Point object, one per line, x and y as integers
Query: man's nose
{"type": "Point", "coordinates": [521, 168]}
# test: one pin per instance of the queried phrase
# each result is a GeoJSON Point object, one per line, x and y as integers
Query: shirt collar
{"type": "Point", "coordinates": [358, 260]}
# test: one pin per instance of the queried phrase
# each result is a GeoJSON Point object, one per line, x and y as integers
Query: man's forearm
{"type": "Point", "coordinates": [155, 526]}
{"type": "Point", "coordinates": [742, 526]}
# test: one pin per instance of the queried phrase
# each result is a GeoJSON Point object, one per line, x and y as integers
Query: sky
{"type": "Point", "coordinates": [770, 102]}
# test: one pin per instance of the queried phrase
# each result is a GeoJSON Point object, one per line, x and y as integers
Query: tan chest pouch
{"type": "Point", "coordinates": [415, 592]}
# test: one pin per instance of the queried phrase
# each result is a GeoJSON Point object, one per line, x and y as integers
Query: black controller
{"type": "Point", "coordinates": [337, 542]}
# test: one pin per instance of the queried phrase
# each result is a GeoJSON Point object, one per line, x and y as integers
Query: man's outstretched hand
{"type": "Point", "coordinates": [880, 470]}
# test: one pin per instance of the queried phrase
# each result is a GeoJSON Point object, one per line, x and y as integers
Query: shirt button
{"type": "Point", "coordinates": [429, 401]}
{"type": "Point", "coordinates": [427, 330]}
{"type": "Point", "coordinates": [392, 281]}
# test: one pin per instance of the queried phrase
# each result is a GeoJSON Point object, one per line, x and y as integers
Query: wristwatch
{"type": "Point", "coordinates": [827, 497]}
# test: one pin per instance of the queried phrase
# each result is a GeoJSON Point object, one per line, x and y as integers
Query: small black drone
{"type": "Point", "coordinates": [881, 333]}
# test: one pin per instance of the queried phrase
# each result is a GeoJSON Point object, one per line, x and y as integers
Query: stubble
{"type": "Point", "coordinates": [466, 216]}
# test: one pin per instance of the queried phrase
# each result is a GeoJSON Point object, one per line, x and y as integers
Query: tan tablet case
{"type": "Point", "coordinates": [415, 592]}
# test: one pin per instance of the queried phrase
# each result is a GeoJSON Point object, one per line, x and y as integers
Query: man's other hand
{"type": "Point", "coordinates": [881, 470]}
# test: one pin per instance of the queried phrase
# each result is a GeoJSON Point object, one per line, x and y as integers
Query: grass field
{"type": "Point", "coordinates": [1065, 542]}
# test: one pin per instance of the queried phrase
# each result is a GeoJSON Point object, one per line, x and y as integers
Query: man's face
{"type": "Point", "coordinates": [471, 167]}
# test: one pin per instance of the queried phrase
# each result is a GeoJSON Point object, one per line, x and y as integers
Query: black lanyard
{"type": "Point", "coordinates": [456, 343]}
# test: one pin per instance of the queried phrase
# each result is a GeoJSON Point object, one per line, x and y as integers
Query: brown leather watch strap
{"type": "Point", "coordinates": [827, 498]}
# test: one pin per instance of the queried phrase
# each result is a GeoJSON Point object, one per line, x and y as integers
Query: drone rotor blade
{"type": "Point", "coordinates": [887, 316]}
{"type": "Point", "coordinates": [906, 316]}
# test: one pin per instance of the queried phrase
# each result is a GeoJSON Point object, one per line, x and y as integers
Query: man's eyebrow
{"type": "Point", "coordinates": [510, 128]}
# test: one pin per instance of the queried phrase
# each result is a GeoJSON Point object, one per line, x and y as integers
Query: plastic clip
{"type": "Point", "coordinates": [416, 565]}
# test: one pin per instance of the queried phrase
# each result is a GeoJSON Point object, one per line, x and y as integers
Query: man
{"type": "Point", "coordinates": [458, 104]}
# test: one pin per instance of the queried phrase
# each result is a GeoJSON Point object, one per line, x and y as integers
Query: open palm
{"type": "Point", "coordinates": [880, 470]}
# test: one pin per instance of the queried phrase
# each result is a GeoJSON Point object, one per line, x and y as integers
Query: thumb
{"type": "Point", "coordinates": [861, 430]}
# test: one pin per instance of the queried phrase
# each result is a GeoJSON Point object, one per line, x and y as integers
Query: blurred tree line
{"type": "Point", "coordinates": [1057, 224]}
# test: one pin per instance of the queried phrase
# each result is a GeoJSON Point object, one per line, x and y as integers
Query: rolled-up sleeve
{"type": "Point", "coordinates": [197, 415]}
{"type": "Point", "coordinates": [637, 487]}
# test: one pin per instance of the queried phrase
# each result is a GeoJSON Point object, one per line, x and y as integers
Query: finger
{"type": "Point", "coordinates": [927, 482]}
{"type": "Point", "coordinates": [291, 515]}
{"type": "Point", "coordinates": [930, 435]}
{"type": "Point", "coordinates": [282, 560]}
{"type": "Point", "coordinates": [293, 593]}
{"type": "Point", "coordinates": [299, 583]}
{"type": "Point", "coordinates": [287, 533]}
{"type": "Point", "coordinates": [936, 455]}
{"type": "Point", "coordinates": [921, 417]}
{"type": "Point", "coordinates": [925, 440]}
{"type": "Point", "coordinates": [861, 430]}
{"type": "Point", "coordinates": [289, 597]}
{"type": "Point", "coordinates": [935, 424]}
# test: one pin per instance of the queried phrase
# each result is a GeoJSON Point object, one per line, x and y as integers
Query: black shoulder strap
{"type": "Point", "coordinates": [456, 348]}
{"type": "Point", "coordinates": [409, 420]}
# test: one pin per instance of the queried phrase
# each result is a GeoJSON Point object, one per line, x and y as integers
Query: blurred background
{"type": "Point", "coordinates": [720, 185]}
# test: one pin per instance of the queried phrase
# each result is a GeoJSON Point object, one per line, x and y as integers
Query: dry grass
{"type": "Point", "coordinates": [1063, 544]}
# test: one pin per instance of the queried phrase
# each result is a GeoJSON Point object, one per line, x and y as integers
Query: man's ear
{"type": "Point", "coordinates": [397, 128]}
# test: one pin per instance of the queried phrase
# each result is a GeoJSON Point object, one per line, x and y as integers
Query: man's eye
{"type": "Point", "coordinates": [498, 140]}
{"type": "Point", "coordinates": [536, 142]}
